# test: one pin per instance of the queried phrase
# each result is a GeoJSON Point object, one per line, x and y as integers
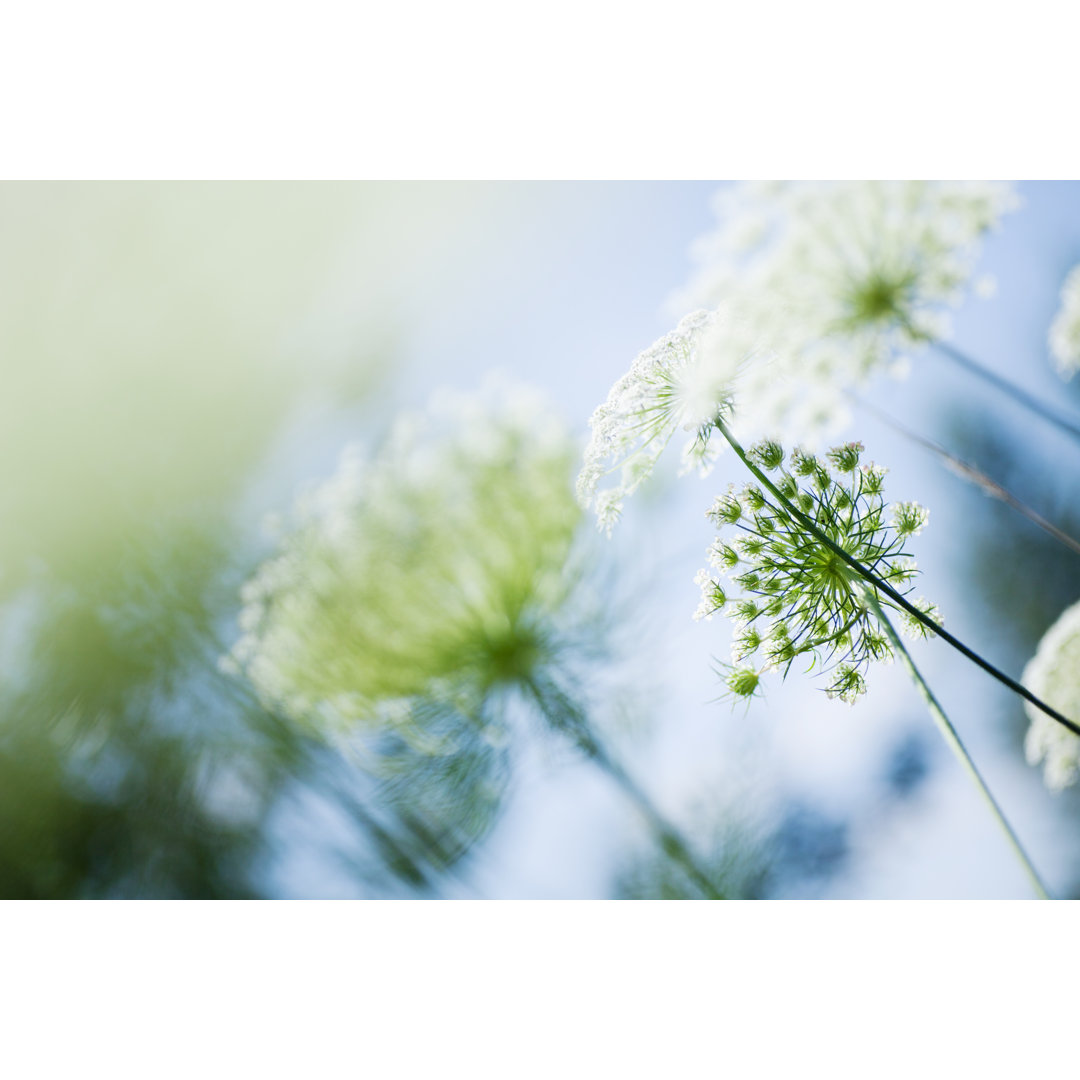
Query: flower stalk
{"type": "Point", "coordinates": [1051, 415]}
{"type": "Point", "coordinates": [566, 717]}
{"type": "Point", "coordinates": [952, 738]}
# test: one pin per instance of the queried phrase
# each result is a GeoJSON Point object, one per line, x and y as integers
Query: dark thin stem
{"type": "Point", "coordinates": [885, 588]}
{"type": "Point", "coordinates": [949, 733]}
{"type": "Point", "coordinates": [566, 718]}
{"type": "Point", "coordinates": [1061, 420]}
{"type": "Point", "coordinates": [973, 474]}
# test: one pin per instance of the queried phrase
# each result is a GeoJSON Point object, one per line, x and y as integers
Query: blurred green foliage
{"type": "Point", "coordinates": [155, 339]}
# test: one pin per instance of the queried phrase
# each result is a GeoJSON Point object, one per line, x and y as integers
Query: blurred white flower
{"type": "Point", "coordinates": [435, 572]}
{"type": "Point", "coordinates": [1064, 337]}
{"type": "Point", "coordinates": [1053, 674]}
{"type": "Point", "coordinates": [836, 281]}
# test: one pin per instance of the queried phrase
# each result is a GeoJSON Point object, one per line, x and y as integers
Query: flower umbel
{"type": "Point", "coordinates": [439, 571]}
{"type": "Point", "coordinates": [789, 594]}
{"type": "Point", "coordinates": [1054, 674]}
{"type": "Point", "coordinates": [838, 281]}
{"type": "Point", "coordinates": [667, 387]}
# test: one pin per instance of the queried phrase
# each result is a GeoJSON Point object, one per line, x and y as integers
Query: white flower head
{"type": "Point", "coordinates": [1064, 337]}
{"type": "Point", "coordinates": [436, 570]}
{"type": "Point", "coordinates": [1053, 674]}
{"type": "Point", "coordinates": [670, 386]}
{"type": "Point", "coordinates": [839, 281]}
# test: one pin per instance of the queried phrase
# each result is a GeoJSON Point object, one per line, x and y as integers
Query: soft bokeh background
{"type": "Point", "coordinates": [182, 360]}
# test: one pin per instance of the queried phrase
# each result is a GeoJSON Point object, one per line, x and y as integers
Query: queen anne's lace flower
{"type": "Point", "coordinates": [1065, 330]}
{"type": "Point", "coordinates": [667, 387]}
{"type": "Point", "coordinates": [789, 595]}
{"type": "Point", "coordinates": [838, 281]}
{"type": "Point", "coordinates": [1053, 674]}
{"type": "Point", "coordinates": [436, 571]}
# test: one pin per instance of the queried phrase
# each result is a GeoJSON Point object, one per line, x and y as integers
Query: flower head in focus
{"type": "Point", "coordinates": [1052, 674]}
{"type": "Point", "coordinates": [789, 595]}
{"type": "Point", "coordinates": [669, 386]}
{"type": "Point", "coordinates": [1064, 338]}
{"type": "Point", "coordinates": [840, 280]}
{"type": "Point", "coordinates": [438, 571]}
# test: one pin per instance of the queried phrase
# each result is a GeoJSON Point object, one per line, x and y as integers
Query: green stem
{"type": "Point", "coordinates": [886, 589]}
{"type": "Point", "coordinates": [567, 718]}
{"type": "Point", "coordinates": [950, 735]}
{"type": "Point", "coordinates": [1053, 416]}
{"type": "Point", "coordinates": [671, 842]}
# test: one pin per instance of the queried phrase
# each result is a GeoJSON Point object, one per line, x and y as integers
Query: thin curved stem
{"type": "Point", "coordinates": [972, 473]}
{"type": "Point", "coordinates": [1070, 425]}
{"type": "Point", "coordinates": [566, 718]}
{"type": "Point", "coordinates": [672, 843]}
{"type": "Point", "coordinates": [885, 588]}
{"type": "Point", "coordinates": [950, 735]}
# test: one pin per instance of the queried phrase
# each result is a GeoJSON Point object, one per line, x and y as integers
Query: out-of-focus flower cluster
{"type": "Point", "coordinates": [789, 594]}
{"type": "Point", "coordinates": [1053, 674]}
{"type": "Point", "coordinates": [833, 282]}
{"type": "Point", "coordinates": [438, 571]}
{"type": "Point", "coordinates": [803, 292]}
{"type": "Point", "coordinates": [1064, 338]}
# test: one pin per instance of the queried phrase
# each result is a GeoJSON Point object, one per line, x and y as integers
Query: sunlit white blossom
{"type": "Point", "coordinates": [1053, 674]}
{"type": "Point", "coordinates": [835, 282]}
{"type": "Point", "coordinates": [1064, 336]}
{"type": "Point", "coordinates": [669, 386]}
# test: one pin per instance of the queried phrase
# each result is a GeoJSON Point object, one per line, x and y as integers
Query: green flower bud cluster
{"type": "Point", "coordinates": [792, 597]}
